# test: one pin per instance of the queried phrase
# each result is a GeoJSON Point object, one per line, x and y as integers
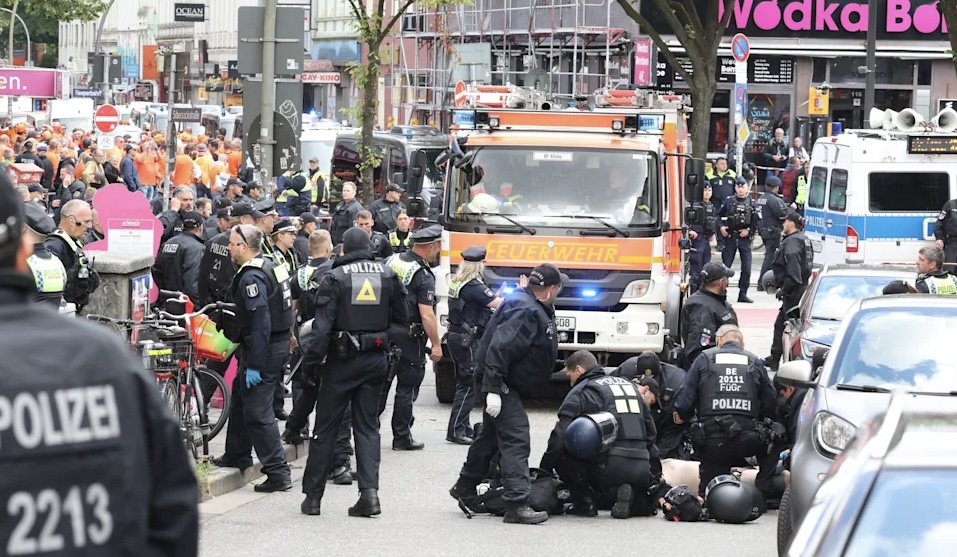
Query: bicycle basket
{"type": "Point", "coordinates": [211, 343]}
{"type": "Point", "coordinates": [168, 357]}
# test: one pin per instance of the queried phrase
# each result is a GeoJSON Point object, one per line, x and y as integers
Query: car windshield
{"type": "Point", "coordinates": [899, 348]}
{"type": "Point", "coordinates": [836, 294]}
{"type": "Point", "coordinates": [908, 512]}
{"type": "Point", "coordinates": [434, 174]}
{"type": "Point", "coordinates": [556, 187]}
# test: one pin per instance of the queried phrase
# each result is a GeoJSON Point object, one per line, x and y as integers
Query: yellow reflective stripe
{"type": "Point", "coordinates": [162, 352]}
{"type": "Point", "coordinates": [621, 405]}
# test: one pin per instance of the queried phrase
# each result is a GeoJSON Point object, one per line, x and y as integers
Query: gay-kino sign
{"type": "Point", "coordinates": [38, 83]}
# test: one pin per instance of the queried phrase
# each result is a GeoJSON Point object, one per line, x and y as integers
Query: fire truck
{"type": "Point", "coordinates": [601, 193]}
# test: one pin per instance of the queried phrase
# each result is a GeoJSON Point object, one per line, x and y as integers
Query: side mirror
{"type": "Point", "coordinates": [416, 207]}
{"type": "Point", "coordinates": [466, 160]}
{"type": "Point", "coordinates": [417, 164]}
{"type": "Point", "coordinates": [694, 215]}
{"type": "Point", "coordinates": [442, 158]}
{"type": "Point", "coordinates": [796, 374]}
{"type": "Point", "coordinates": [694, 174]}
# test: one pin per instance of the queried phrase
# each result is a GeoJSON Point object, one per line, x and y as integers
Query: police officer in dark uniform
{"type": "Point", "coordinates": [178, 262]}
{"type": "Point", "coordinates": [381, 248]}
{"type": "Point", "coordinates": [740, 218]}
{"type": "Point", "coordinates": [47, 271]}
{"type": "Point", "coordinates": [519, 351]}
{"type": "Point", "coordinates": [945, 234]}
{"type": "Point", "coordinates": [620, 474]}
{"type": "Point", "coordinates": [357, 301]}
{"type": "Point", "coordinates": [121, 467]}
{"type": "Point", "coordinates": [670, 434]}
{"type": "Point", "coordinates": [263, 301]}
{"type": "Point", "coordinates": [930, 278]}
{"type": "Point", "coordinates": [792, 272]}
{"type": "Point", "coordinates": [728, 389]}
{"type": "Point", "coordinates": [471, 302]}
{"type": "Point", "coordinates": [706, 310]}
{"type": "Point", "coordinates": [700, 235]}
{"type": "Point", "coordinates": [414, 269]}
{"type": "Point", "coordinates": [773, 210]}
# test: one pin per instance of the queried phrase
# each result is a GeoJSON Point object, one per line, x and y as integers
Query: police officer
{"type": "Point", "coordinates": [121, 466]}
{"type": "Point", "coordinates": [401, 237]}
{"type": "Point", "coordinates": [414, 269]}
{"type": "Point", "coordinates": [706, 310]}
{"type": "Point", "coordinates": [670, 433]}
{"type": "Point", "coordinates": [47, 271]}
{"type": "Point", "coordinates": [945, 233]}
{"type": "Point", "coordinates": [740, 217]}
{"type": "Point", "coordinates": [217, 267]}
{"type": "Point", "coordinates": [728, 389]}
{"type": "Point", "coordinates": [700, 235]}
{"type": "Point", "coordinates": [308, 224]}
{"type": "Point", "coordinates": [931, 279]}
{"type": "Point", "coordinates": [283, 236]}
{"type": "Point", "coordinates": [357, 301]}
{"type": "Point", "coordinates": [722, 183]}
{"type": "Point", "coordinates": [519, 355]}
{"type": "Point", "coordinates": [620, 475]}
{"type": "Point", "coordinates": [65, 243]}
{"type": "Point", "coordinates": [381, 248]}
{"type": "Point", "coordinates": [264, 319]}
{"type": "Point", "coordinates": [471, 302]}
{"type": "Point", "coordinates": [178, 262]}
{"type": "Point", "coordinates": [385, 209]}
{"type": "Point", "coordinates": [792, 271]}
{"type": "Point", "coordinates": [773, 210]}
{"type": "Point", "coordinates": [180, 202]}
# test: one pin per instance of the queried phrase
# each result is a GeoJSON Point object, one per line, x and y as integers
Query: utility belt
{"type": "Point", "coordinates": [346, 345]}
{"type": "Point", "coordinates": [468, 332]}
{"type": "Point", "coordinates": [416, 330]}
{"type": "Point", "coordinates": [727, 426]}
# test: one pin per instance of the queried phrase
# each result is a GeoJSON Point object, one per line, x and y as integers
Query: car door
{"type": "Point", "coordinates": [842, 243]}
{"type": "Point", "coordinates": [814, 211]}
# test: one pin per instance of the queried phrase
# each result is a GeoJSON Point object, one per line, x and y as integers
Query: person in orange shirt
{"type": "Point", "coordinates": [53, 152]}
{"type": "Point", "coordinates": [183, 169]}
{"type": "Point", "coordinates": [146, 161]}
{"type": "Point", "coordinates": [235, 158]}
{"type": "Point", "coordinates": [205, 162]}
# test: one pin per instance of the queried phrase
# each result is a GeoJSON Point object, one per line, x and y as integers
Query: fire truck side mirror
{"type": "Point", "coordinates": [694, 173]}
{"type": "Point", "coordinates": [416, 207]}
{"type": "Point", "coordinates": [416, 174]}
{"type": "Point", "coordinates": [694, 215]}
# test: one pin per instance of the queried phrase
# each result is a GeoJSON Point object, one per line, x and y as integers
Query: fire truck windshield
{"type": "Point", "coordinates": [550, 186]}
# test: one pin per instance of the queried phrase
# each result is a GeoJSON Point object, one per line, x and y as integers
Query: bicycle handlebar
{"type": "Point", "coordinates": [155, 323]}
{"type": "Point", "coordinates": [205, 309]}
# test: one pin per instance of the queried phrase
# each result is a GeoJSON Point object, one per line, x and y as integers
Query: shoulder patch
{"type": "Point", "coordinates": [252, 290]}
{"type": "Point", "coordinates": [489, 293]}
{"type": "Point", "coordinates": [429, 295]}
{"type": "Point", "coordinates": [942, 215]}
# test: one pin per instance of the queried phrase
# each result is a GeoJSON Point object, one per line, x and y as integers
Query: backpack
{"type": "Point", "coordinates": [543, 496]}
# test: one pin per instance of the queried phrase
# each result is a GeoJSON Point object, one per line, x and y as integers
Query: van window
{"type": "Point", "coordinates": [917, 192]}
{"type": "Point", "coordinates": [837, 200]}
{"type": "Point", "coordinates": [399, 164]}
{"type": "Point", "coordinates": [818, 187]}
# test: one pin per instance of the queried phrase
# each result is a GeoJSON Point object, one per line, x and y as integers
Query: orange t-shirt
{"type": "Point", "coordinates": [234, 161]}
{"type": "Point", "coordinates": [161, 167]}
{"type": "Point", "coordinates": [183, 171]}
{"type": "Point", "coordinates": [55, 160]}
{"type": "Point", "coordinates": [146, 168]}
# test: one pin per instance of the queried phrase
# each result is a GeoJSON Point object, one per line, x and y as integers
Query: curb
{"type": "Point", "coordinates": [226, 480]}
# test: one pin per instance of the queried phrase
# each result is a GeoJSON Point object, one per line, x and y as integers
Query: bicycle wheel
{"type": "Point", "coordinates": [190, 419]}
{"type": "Point", "coordinates": [170, 391]}
{"type": "Point", "coordinates": [216, 395]}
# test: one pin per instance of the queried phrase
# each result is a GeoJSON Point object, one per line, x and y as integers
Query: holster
{"type": "Point", "coordinates": [393, 357]}
{"type": "Point", "coordinates": [697, 435]}
{"type": "Point", "coordinates": [416, 330]}
{"type": "Point", "coordinates": [345, 345]}
{"type": "Point", "coordinates": [729, 425]}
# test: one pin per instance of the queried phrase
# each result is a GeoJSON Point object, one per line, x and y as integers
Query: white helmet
{"type": "Point", "coordinates": [483, 203]}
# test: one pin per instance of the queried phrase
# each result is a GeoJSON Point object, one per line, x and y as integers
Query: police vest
{"type": "Point", "coordinates": [398, 243]}
{"type": "Point", "coordinates": [710, 222]}
{"type": "Point", "coordinates": [741, 214]}
{"type": "Point", "coordinates": [279, 297]}
{"type": "Point", "coordinates": [219, 269]}
{"type": "Point", "coordinates": [620, 397]}
{"type": "Point", "coordinates": [303, 275]}
{"type": "Point", "coordinates": [721, 179]}
{"type": "Point", "coordinates": [801, 195]}
{"type": "Point", "coordinates": [462, 312]}
{"type": "Point", "coordinates": [287, 193]}
{"type": "Point", "coordinates": [81, 279]}
{"type": "Point", "coordinates": [942, 285]}
{"type": "Point", "coordinates": [49, 276]}
{"type": "Point", "coordinates": [364, 297]}
{"type": "Point", "coordinates": [729, 387]}
{"type": "Point", "coordinates": [406, 271]}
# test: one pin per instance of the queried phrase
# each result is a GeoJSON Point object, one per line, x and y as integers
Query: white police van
{"type": "Point", "coordinates": [874, 195]}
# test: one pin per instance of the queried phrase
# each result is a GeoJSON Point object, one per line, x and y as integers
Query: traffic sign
{"type": "Point", "coordinates": [286, 152]}
{"type": "Point", "coordinates": [460, 96]}
{"type": "Point", "coordinates": [740, 103]}
{"type": "Point", "coordinates": [744, 133]}
{"type": "Point", "coordinates": [106, 118]}
{"type": "Point", "coordinates": [740, 47]}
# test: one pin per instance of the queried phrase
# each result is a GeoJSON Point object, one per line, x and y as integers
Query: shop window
{"type": "Point", "coordinates": [766, 113]}
{"type": "Point", "coordinates": [890, 71]}
{"type": "Point", "coordinates": [906, 192]}
{"type": "Point", "coordinates": [817, 188]}
{"type": "Point", "coordinates": [924, 72]}
{"type": "Point", "coordinates": [837, 200]}
{"type": "Point", "coordinates": [818, 70]}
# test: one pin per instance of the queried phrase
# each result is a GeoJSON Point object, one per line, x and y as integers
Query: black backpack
{"type": "Point", "coordinates": [542, 497]}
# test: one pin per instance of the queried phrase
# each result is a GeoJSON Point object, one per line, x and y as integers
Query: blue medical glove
{"type": "Point", "coordinates": [253, 378]}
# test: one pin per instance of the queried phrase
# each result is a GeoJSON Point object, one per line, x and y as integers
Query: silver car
{"type": "Point", "coordinates": [888, 343]}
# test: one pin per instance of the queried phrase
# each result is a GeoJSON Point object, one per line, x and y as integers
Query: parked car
{"type": "Point", "coordinates": [889, 343]}
{"type": "Point", "coordinates": [892, 491]}
{"type": "Point", "coordinates": [833, 290]}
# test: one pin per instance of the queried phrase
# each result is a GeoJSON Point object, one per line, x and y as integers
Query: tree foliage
{"type": "Point", "coordinates": [43, 17]}
{"type": "Point", "coordinates": [700, 34]}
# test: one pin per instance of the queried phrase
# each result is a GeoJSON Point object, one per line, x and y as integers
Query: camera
{"type": "Point", "coordinates": [824, 87]}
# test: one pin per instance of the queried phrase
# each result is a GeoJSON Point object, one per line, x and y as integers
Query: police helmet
{"type": "Point", "coordinates": [769, 283]}
{"type": "Point", "coordinates": [758, 505]}
{"type": "Point", "coordinates": [305, 331]}
{"type": "Point", "coordinates": [591, 434]}
{"type": "Point", "coordinates": [747, 171]}
{"type": "Point", "coordinates": [727, 500]}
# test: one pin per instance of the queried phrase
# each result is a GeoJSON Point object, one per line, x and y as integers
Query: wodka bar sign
{"type": "Point", "coordinates": [189, 13]}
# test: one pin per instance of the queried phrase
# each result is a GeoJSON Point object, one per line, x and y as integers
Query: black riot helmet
{"type": "Point", "coordinates": [727, 500]}
{"type": "Point", "coordinates": [589, 435]}
{"type": "Point", "coordinates": [769, 283]}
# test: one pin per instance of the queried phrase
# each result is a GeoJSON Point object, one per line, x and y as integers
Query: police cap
{"type": "Point", "coordinates": [355, 239]}
{"type": "Point", "coordinates": [36, 188]}
{"type": "Point", "coordinates": [245, 209]}
{"type": "Point", "coordinates": [192, 219]}
{"type": "Point", "coordinates": [715, 271]}
{"type": "Point", "coordinates": [283, 225]}
{"type": "Point", "coordinates": [546, 274]}
{"type": "Point", "coordinates": [427, 235]}
{"type": "Point", "coordinates": [740, 181]}
{"type": "Point", "coordinates": [253, 185]}
{"type": "Point", "coordinates": [266, 207]}
{"type": "Point", "coordinates": [224, 213]}
{"type": "Point", "coordinates": [796, 218]}
{"type": "Point", "coordinates": [235, 182]}
{"type": "Point", "coordinates": [772, 182]}
{"type": "Point", "coordinates": [474, 253]}
{"type": "Point", "coordinates": [648, 381]}
{"type": "Point", "coordinates": [306, 218]}
{"type": "Point", "coordinates": [37, 219]}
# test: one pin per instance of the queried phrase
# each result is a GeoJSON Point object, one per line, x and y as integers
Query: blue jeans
{"type": "Point", "coordinates": [148, 191]}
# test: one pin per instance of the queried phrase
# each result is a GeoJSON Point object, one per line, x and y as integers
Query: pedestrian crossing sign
{"type": "Point", "coordinates": [367, 288]}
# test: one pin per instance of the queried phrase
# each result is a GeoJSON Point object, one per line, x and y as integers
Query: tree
{"type": "Point", "coordinates": [374, 26]}
{"type": "Point", "coordinates": [42, 19]}
{"type": "Point", "coordinates": [698, 29]}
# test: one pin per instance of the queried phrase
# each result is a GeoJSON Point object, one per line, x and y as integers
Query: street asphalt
{"type": "Point", "coordinates": [419, 518]}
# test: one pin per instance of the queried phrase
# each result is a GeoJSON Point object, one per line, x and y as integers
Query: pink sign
{"type": "Point", "coordinates": [31, 82]}
{"type": "Point", "coordinates": [644, 63]}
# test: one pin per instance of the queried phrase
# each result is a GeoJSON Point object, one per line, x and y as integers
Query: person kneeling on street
{"type": "Point", "coordinates": [671, 437]}
{"type": "Point", "coordinates": [603, 444]}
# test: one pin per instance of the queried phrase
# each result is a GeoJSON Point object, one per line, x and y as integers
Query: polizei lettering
{"type": "Point", "coordinates": [219, 249]}
{"type": "Point", "coordinates": [731, 404]}
{"type": "Point", "coordinates": [369, 267]}
{"type": "Point", "coordinates": [65, 416]}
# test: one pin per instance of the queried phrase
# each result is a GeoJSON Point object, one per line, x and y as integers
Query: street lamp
{"type": "Point", "coordinates": [25, 30]}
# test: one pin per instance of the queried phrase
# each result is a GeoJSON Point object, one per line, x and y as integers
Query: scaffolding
{"type": "Point", "coordinates": [565, 48]}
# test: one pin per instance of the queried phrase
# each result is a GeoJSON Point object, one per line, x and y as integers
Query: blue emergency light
{"type": "Point", "coordinates": [588, 292]}
{"type": "Point", "coordinates": [463, 117]}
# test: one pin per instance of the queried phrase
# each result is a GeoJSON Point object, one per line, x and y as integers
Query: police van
{"type": "Point", "coordinates": [874, 195]}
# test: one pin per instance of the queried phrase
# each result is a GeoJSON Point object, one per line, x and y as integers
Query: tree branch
{"type": "Point", "coordinates": [728, 8]}
{"type": "Point", "coordinates": [693, 19]}
{"type": "Point", "coordinates": [359, 13]}
{"type": "Point", "coordinates": [653, 34]}
{"type": "Point", "coordinates": [395, 17]}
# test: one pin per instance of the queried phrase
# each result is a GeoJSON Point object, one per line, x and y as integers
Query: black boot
{"type": "Point", "coordinates": [771, 363]}
{"type": "Point", "coordinates": [525, 515]}
{"type": "Point", "coordinates": [625, 502]}
{"type": "Point", "coordinates": [368, 503]}
{"type": "Point", "coordinates": [341, 475]}
{"type": "Point", "coordinates": [583, 503]}
{"type": "Point", "coordinates": [310, 506]}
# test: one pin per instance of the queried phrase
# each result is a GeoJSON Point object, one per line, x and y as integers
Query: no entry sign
{"type": "Point", "coordinates": [106, 118]}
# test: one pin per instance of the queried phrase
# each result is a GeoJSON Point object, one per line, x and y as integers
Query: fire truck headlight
{"type": "Point", "coordinates": [636, 289]}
